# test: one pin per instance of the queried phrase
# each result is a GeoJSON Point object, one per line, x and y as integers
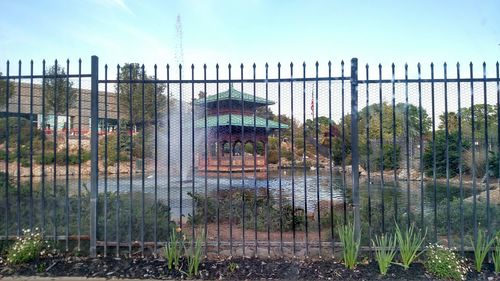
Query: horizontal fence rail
{"type": "Point", "coordinates": [258, 161]}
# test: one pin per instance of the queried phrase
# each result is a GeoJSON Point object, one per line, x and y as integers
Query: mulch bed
{"type": "Point", "coordinates": [225, 269]}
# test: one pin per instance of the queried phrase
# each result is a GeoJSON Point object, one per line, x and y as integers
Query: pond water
{"type": "Point", "coordinates": [304, 188]}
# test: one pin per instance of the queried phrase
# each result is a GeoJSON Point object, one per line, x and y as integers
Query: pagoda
{"type": "Point", "coordinates": [233, 126]}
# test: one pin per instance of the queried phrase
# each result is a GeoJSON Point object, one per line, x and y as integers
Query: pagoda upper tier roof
{"type": "Point", "coordinates": [233, 95]}
{"type": "Point", "coordinates": [236, 120]}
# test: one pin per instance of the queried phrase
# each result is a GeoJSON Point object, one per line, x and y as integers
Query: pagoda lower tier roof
{"type": "Point", "coordinates": [236, 120]}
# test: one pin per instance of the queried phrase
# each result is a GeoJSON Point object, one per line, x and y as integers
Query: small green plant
{"type": "Point", "coordinates": [173, 249]}
{"type": "Point", "coordinates": [443, 263]}
{"type": "Point", "coordinates": [481, 249]}
{"type": "Point", "coordinates": [27, 248]}
{"type": "Point", "coordinates": [409, 242]}
{"type": "Point", "coordinates": [385, 250]}
{"type": "Point", "coordinates": [232, 267]}
{"type": "Point", "coordinates": [350, 246]}
{"type": "Point", "coordinates": [194, 256]}
{"type": "Point", "coordinates": [496, 254]}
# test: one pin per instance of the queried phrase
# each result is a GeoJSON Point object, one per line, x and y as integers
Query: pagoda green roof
{"type": "Point", "coordinates": [235, 96]}
{"type": "Point", "coordinates": [236, 120]}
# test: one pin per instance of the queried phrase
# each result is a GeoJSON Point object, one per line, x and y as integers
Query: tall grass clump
{"type": "Point", "coordinates": [350, 246]}
{"type": "Point", "coordinates": [409, 242]}
{"type": "Point", "coordinates": [385, 250]}
{"type": "Point", "coordinates": [481, 248]}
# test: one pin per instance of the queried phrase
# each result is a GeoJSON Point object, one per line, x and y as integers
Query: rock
{"type": "Point", "coordinates": [348, 170]}
{"type": "Point", "coordinates": [414, 175]}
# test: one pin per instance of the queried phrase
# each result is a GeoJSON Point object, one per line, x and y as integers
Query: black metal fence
{"type": "Point", "coordinates": [266, 164]}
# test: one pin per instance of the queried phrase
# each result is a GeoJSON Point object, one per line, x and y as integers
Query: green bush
{"type": "Point", "coordinates": [230, 204]}
{"type": "Point", "coordinates": [468, 216]}
{"type": "Point", "coordinates": [13, 131]}
{"type": "Point", "coordinates": [27, 247]}
{"type": "Point", "coordinates": [443, 263]}
{"type": "Point", "coordinates": [130, 211]}
{"type": "Point", "coordinates": [272, 157]}
{"type": "Point", "coordinates": [112, 154]}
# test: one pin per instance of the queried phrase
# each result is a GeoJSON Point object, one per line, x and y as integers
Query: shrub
{"type": "Point", "coordinates": [493, 164]}
{"type": "Point", "coordinates": [230, 204]}
{"type": "Point", "coordinates": [112, 155]}
{"type": "Point", "coordinates": [443, 263]}
{"type": "Point", "coordinates": [27, 248]}
{"type": "Point", "coordinates": [479, 160]}
{"type": "Point", "coordinates": [129, 211]}
{"type": "Point", "coordinates": [468, 216]}
{"type": "Point", "coordinates": [272, 157]}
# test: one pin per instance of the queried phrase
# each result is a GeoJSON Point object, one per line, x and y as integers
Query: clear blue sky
{"type": "Point", "coordinates": [250, 31]}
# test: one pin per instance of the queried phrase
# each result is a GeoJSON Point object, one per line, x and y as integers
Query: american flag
{"type": "Point", "coordinates": [312, 103]}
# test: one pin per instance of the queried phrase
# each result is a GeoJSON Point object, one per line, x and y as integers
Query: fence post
{"type": "Point", "coordinates": [355, 148]}
{"type": "Point", "coordinates": [94, 139]}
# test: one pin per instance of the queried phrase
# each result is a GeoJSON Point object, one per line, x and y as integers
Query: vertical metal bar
{"type": "Point", "coordinates": [279, 160]}
{"type": "Point", "coordinates": [18, 153]}
{"type": "Point", "coordinates": [131, 150]}
{"type": "Point", "coordinates": [304, 156]}
{"type": "Point", "coordinates": [31, 220]}
{"type": "Point", "coordinates": [343, 146]}
{"type": "Point", "coordinates": [421, 144]}
{"type": "Point", "coordinates": [193, 210]}
{"type": "Point", "coordinates": [105, 213]}
{"type": "Point", "coordinates": [155, 99]}
{"type": "Point", "coordinates": [317, 157]}
{"type": "Point", "coordinates": [169, 216]}
{"type": "Point", "coordinates": [268, 211]}
{"type": "Point", "coordinates": [447, 155]}
{"type": "Point", "coordinates": [44, 118]}
{"type": "Point", "coordinates": [94, 145]}
{"type": "Point", "coordinates": [243, 158]}
{"type": "Point", "coordinates": [68, 126]}
{"type": "Point", "coordinates": [7, 142]}
{"type": "Point", "coordinates": [255, 163]}
{"type": "Point", "coordinates": [355, 149]}
{"type": "Point", "coordinates": [143, 154]}
{"type": "Point", "coordinates": [230, 89]}
{"type": "Point", "coordinates": [460, 161]}
{"type": "Point", "coordinates": [180, 146]}
{"type": "Point", "coordinates": [294, 250]}
{"type": "Point", "coordinates": [381, 138]}
{"type": "Point", "coordinates": [219, 149]}
{"type": "Point", "coordinates": [473, 131]}
{"type": "Point", "coordinates": [54, 167]}
{"type": "Point", "coordinates": [79, 196]}
{"type": "Point", "coordinates": [498, 119]}
{"type": "Point", "coordinates": [118, 157]}
{"type": "Point", "coordinates": [368, 152]}
{"type": "Point", "coordinates": [486, 151]}
{"type": "Point", "coordinates": [330, 154]}
{"type": "Point", "coordinates": [407, 150]}
{"type": "Point", "coordinates": [434, 152]}
{"type": "Point", "coordinates": [394, 149]}
{"type": "Point", "coordinates": [205, 207]}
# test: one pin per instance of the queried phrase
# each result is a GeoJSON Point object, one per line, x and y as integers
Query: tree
{"type": "Point", "coordinates": [452, 122]}
{"type": "Point", "coordinates": [132, 74]}
{"type": "Point", "coordinates": [59, 90]}
{"type": "Point", "coordinates": [440, 153]}
{"type": "Point", "coordinates": [3, 91]}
